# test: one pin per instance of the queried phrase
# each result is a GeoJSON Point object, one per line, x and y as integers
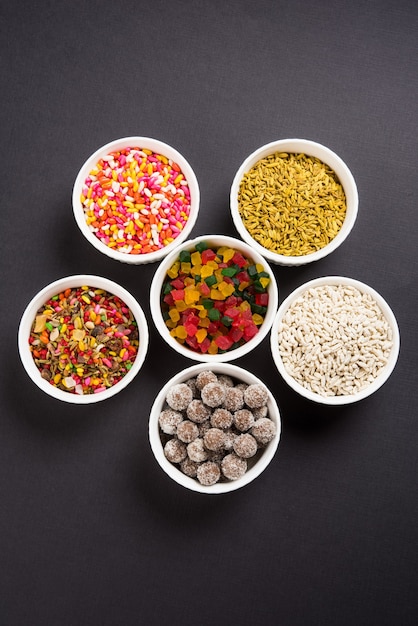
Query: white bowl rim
{"type": "Point", "coordinates": [155, 145]}
{"type": "Point", "coordinates": [55, 287]}
{"type": "Point", "coordinates": [155, 307]}
{"type": "Point", "coordinates": [328, 156]}
{"type": "Point", "coordinates": [172, 470]}
{"type": "Point", "coordinates": [386, 371]}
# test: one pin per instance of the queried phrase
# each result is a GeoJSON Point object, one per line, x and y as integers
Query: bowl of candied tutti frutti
{"type": "Point", "coordinates": [213, 299]}
{"type": "Point", "coordinates": [214, 429]}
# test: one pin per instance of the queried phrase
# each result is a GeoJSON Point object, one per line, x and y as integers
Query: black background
{"type": "Point", "coordinates": [91, 530]}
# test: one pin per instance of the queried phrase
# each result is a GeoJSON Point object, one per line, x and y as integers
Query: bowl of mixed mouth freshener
{"type": "Point", "coordinates": [335, 340]}
{"type": "Point", "coordinates": [83, 339]}
{"type": "Point", "coordinates": [294, 200]}
{"type": "Point", "coordinates": [135, 199]}
{"type": "Point", "coordinates": [213, 298]}
{"type": "Point", "coordinates": [214, 429]}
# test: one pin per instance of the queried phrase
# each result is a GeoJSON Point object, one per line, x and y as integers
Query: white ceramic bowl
{"type": "Point", "coordinates": [267, 454]}
{"type": "Point", "coordinates": [384, 372]}
{"type": "Point", "coordinates": [55, 288]}
{"type": "Point", "coordinates": [309, 148]}
{"type": "Point", "coordinates": [155, 146]}
{"type": "Point", "coordinates": [155, 299]}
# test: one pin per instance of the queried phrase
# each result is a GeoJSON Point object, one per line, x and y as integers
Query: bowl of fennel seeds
{"type": "Point", "coordinates": [294, 201]}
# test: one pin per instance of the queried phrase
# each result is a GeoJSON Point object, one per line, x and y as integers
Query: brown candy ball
{"type": "Point", "coordinates": [221, 418]}
{"type": "Point", "coordinates": [213, 394]}
{"type": "Point", "coordinates": [233, 466]}
{"type": "Point", "coordinates": [226, 380]}
{"type": "Point", "coordinates": [175, 451]}
{"type": "Point", "coordinates": [255, 396]}
{"type": "Point", "coordinates": [208, 473]}
{"type": "Point", "coordinates": [197, 451]}
{"type": "Point", "coordinates": [264, 430]}
{"type": "Point", "coordinates": [214, 439]}
{"type": "Point", "coordinates": [260, 412]}
{"type": "Point", "coordinates": [169, 420]}
{"type": "Point", "coordinates": [197, 411]}
{"type": "Point", "coordinates": [245, 446]}
{"type": "Point", "coordinates": [205, 377]}
{"type": "Point", "coordinates": [187, 431]}
{"type": "Point", "coordinates": [189, 467]}
{"type": "Point", "coordinates": [179, 396]}
{"type": "Point", "coordinates": [234, 399]}
{"type": "Point", "coordinates": [243, 419]}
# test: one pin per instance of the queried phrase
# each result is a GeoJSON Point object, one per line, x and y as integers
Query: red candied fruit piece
{"type": "Point", "coordinates": [204, 289]}
{"type": "Point", "coordinates": [192, 319]}
{"type": "Point", "coordinates": [168, 299]}
{"type": "Point", "coordinates": [207, 255]}
{"type": "Point", "coordinates": [243, 277]}
{"type": "Point", "coordinates": [213, 328]}
{"type": "Point", "coordinates": [192, 343]}
{"type": "Point", "coordinates": [262, 299]}
{"type": "Point", "coordinates": [204, 345]}
{"type": "Point", "coordinates": [191, 329]}
{"type": "Point", "coordinates": [239, 260]}
{"type": "Point", "coordinates": [232, 312]}
{"type": "Point", "coordinates": [177, 283]}
{"type": "Point", "coordinates": [177, 294]}
{"type": "Point", "coordinates": [232, 301]}
{"type": "Point", "coordinates": [235, 334]}
{"type": "Point", "coordinates": [250, 331]}
{"type": "Point", "coordinates": [223, 342]}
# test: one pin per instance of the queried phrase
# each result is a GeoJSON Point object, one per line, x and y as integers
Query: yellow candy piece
{"type": "Point", "coordinates": [228, 254]}
{"type": "Point", "coordinates": [207, 270]}
{"type": "Point", "coordinates": [185, 267]}
{"type": "Point", "coordinates": [173, 272]}
{"type": "Point", "coordinates": [174, 315]}
{"type": "Point", "coordinates": [201, 334]}
{"type": "Point", "coordinates": [181, 332]}
{"type": "Point", "coordinates": [213, 348]}
{"type": "Point", "coordinates": [191, 295]}
{"type": "Point", "coordinates": [257, 319]}
{"type": "Point", "coordinates": [196, 258]}
{"type": "Point", "coordinates": [215, 294]}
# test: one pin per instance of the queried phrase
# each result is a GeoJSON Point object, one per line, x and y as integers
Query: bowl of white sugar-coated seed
{"type": "Point", "coordinates": [214, 428]}
{"type": "Point", "coordinates": [335, 340]}
{"type": "Point", "coordinates": [135, 199]}
{"type": "Point", "coordinates": [294, 200]}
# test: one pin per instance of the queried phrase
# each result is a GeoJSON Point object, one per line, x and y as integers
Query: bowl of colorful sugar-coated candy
{"type": "Point", "coordinates": [213, 299]}
{"type": "Point", "coordinates": [135, 199]}
{"type": "Point", "coordinates": [83, 339]}
{"type": "Point", "coordinates": [214, 428]}
{"type": "Point", "coordinates": [294, 200]}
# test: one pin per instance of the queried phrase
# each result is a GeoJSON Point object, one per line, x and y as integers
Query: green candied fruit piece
{"type": "Point", "coordinates": [185, 256]}
{"type": "Point", "coordinates": [214, 314]}
{"type": "Point", "coordinates": [211, 280]}
{"type": "Point", "coordinates": [229, 271]}
{"type": "Point", "coordinates": [257, 308]}
{"type": "Point", "coordinates": [202, 245]}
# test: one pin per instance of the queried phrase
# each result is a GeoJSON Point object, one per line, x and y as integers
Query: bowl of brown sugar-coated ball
{"type": "Point", "coordinates": [214, 428]}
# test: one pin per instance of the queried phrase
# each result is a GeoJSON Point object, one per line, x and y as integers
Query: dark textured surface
{"type": "Point", "coordinates": [91, 530]}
